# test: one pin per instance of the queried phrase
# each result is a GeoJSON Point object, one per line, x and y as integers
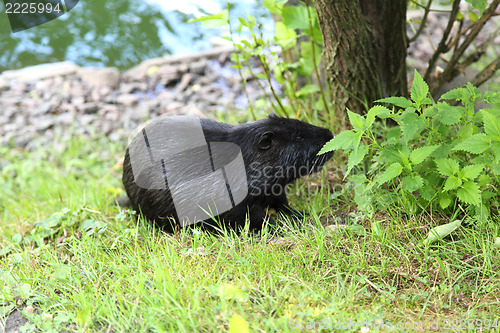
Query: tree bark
{"type": "Point", "coordinates": [364, 50]}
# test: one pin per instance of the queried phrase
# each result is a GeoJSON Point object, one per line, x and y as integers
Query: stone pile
{"type": "Point", "coordinates": [50, 102]}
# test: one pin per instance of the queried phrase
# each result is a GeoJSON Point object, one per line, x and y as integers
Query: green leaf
{"type": "Point", "coordinates": [390, 154]}
{"type": "Point", "coordinates": [284, 36]}
{"type": "Point", "coordinates": [398, 101]}
{"type": "Point", "coordinates": [469, 193]}
{"type": "Point", "coordinates": [447, 114]}
{"type": "Point", "coordinates": [471, 172]}
{"type": "Point", "coordinates": [315, 35]}
{"type": "Point", "coordinates": [452, 183]}
{"type": "Point", "coordinates": [306, 60]}
{"type": "Point", "coordinates": [307, 90]}
{"type": "Point", "coordinates": [295, 17]}
{"type": "Point", "coordinates": [390, 173]}
{"type": "Point", "coordinates": [473, 17]}
{"type": "Point", "coordinates": [274, 6]}
{"type": "Point", "coordinates": [491, 97]}
{"type": "Point", "coordinates": [418, 155]}
{"type": "Point", "coordinates": [495, 146]}
{"type": "Point", "coordinates": [441, 231]}
{"type": "Point", "coordinates": [355, 157]}
{"type": "Point", "coordinates": [357, 139]}
{"type": "Point", "coordinates": [358, 229]}
{"type": "Point", "coordinates": [394, 133]}
{"type": "Point", "coordinates": [447, 166]}
{"type": "Point", "coordinates": [357, 121]}
{"type": "Point", "coordinates": [213, 21]}
{"type": "Point", "coordinates": [491, 124]}
{"type": "Point", "coordinates": [496, 244]}
{"type": "Point", "coordinates": [419, 89]}
{"type": "Point", "coordinates": [343, 140]}
{"type": "Point", "coordinates": [376, 111]}
{"type": "Point", "coordinates": [428, 192]}
{"type": "Point", "coordinates": [228, 291]}
{"type": "Point", "coordinates": [412, 124]}
{"type": "Point", "coordinates": [480, 5]}
{"type": "Point", "coordinates": [84, 316]}
{"type": "Point", "coordinates": [412, 183]}
{"type": "Point", "coordinates": [476, 144]}
{"type": "Point", "coordinates": [445, 199]}
{"type": "Point", "coordinates": [238, 325]}
{"type": "Point", "coordinates": [466, 131]}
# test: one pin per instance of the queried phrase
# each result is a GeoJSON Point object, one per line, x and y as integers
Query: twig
{"type": "Point", "coordinates": [268, 77]}
{"type": "Point", "coordinates": [318, 77]}
{"type": "Point", "coordinates": [454, 42]}
{"type": "Point", "coordinates": [432, 10]}
{"type": "Point", "coordinates": [481, 49]}
{"type": "Point", "coordinates": [422, 23]}
{"type": "Point", "coordinates": [451, 68]}
{"type": "Point", "coordinates": [238, 62]}
{"type": "Point", "coordinates": [442, 44]}
{"type": "Point", "coordinates": [486, 73]}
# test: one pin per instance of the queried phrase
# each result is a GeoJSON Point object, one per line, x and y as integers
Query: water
{"type": "Point", "coordinates": [119, 33]}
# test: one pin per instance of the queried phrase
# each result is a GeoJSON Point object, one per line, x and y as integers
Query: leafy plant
{"type": "Point", "coordinates": [286, 64]}
{"type": "Point", "coordinates": [439, 154]}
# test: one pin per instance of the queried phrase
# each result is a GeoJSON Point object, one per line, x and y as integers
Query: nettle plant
{"type": "Point", "coordinates": [439, 156]}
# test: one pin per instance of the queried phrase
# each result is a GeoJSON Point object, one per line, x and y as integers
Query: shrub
{"type": "Point", "coordinates": [440, 154]}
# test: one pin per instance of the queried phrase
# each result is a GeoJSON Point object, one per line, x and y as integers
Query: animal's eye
{"type": "Point", "coordinates": [299, 138]}
{"type": "Point", "coordinates": [266, 140]}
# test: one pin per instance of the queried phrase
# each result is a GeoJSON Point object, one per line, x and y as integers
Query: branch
{"type": "Point", "coordinates": [481, 49]}
{"type": "Point", "coordinates": [486, 73]}
{"type": "Point", "coordinates": [313, 49]}
{"type": "Point", "coordinates": [451, 68]}
{"type": "Point", "coordinates": [422, 23]}
{"type": "Point", "coordinates": [442, 44]}
{"type": "Point", "coordinates": [431, 10]}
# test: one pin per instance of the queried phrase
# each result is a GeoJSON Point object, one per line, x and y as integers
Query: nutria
{"type": "Point", "coordinates": [256, 161]}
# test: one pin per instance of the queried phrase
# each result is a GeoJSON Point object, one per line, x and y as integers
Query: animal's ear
{"type": "Point", "coordinates": [266, 140]}
{"type": "Point", "coordinates": [273, 115]}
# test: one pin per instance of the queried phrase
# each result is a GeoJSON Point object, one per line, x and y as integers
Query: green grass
{"type": "Point", "coordinates": [71, 260]}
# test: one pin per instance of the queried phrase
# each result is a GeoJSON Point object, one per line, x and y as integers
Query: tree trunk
{"type": "Point", "coordinates": [364, 50]}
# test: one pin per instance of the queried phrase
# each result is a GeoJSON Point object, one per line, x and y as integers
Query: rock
{"type": "Point", "coordinates": [139, 72]}
{"type": "Point", "coordinates": [65, 118]}
{"type": "Point", "coordinates": [191, 110]}
{"type": "Point", "coordinates": [198, 67]}
{"type": "Point", "coordinates": [141, 112]}
{"type": "Point", "coordinates": [44, 108]}
{"type": "Point", "coordinates": [22, 139]}
{"type": "Point", "coordinates": [39, 72]}
{"type": "Point", "coordinates": [78, 101]}
{"type": "Point", "coordinates": [4, 84]}
{"type": "Point", "coordinates": [86, 119]}
{"type": "Point", "coordinates": [44, 123]}
{"type": "Point", "coordinates": [10, 101]}
{"type": "Point", "coordinates": [89, 108]}
{"type": "Point", "coordinates": [171, 107]}
{"type": "Point", "coordinates": [185, 81]}
{"type": "Point", "coordinates": [9, 127]}
{"type": "Point", "coordinates": [100, 77]}
{"type": "Point", "coordinates": [128, 88]}
{"type": "Point", "coordinates": [106, 127]}
{"type": "Point", "coordinates": [127, 99]}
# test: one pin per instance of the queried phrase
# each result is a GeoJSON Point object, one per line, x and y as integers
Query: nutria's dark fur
{"type": "Point", "coordinates": [275, 152]}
